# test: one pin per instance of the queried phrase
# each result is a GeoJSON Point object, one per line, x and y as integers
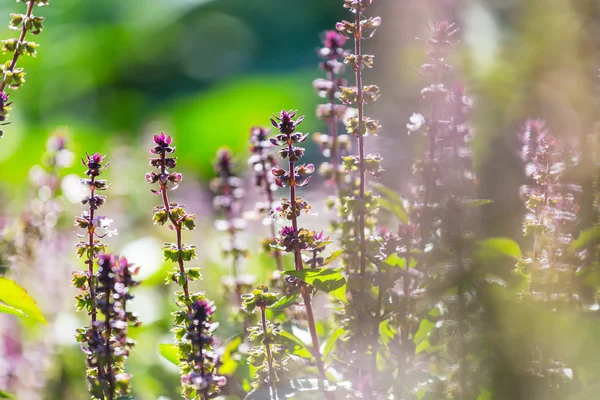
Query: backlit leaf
{"type": "Point", "coordinates": [13, 296]}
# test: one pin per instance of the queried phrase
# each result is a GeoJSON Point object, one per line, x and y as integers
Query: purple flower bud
{"type": "Point", "coordinates": [333, 39]}
{"type": "Point", "coordinates": [162, 140]}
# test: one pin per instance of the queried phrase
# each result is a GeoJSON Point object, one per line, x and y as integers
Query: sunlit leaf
{"type": "Point", "coordinates": [494, 248]}
{"type": "Point", "coordinates": [478, 203]}
{"type": "Point", "coordinates": [4, 395]}
{"type": "Point", "coordinates": [394, 260]}
{"type": "Point", "coordinates": [298, 347]}
{"type": "Point", "coordinates": [392, 202]}
{"type": "Point", "coordinates": [10, 310]}
{"type": "Point", "coordinates": [332, 341]}
{"type": "Point", "coordinates": [284, 302]}
{"type": "Point", "coordinates": [228, 364]}
{"type": "Point", "coordinates": [333, 256]}
{"type": "Point", "coordinates": [587, 237]}
{"type": "Point", "coordinates": [328, 280]}
{"type": "Point", "coordinates": [170, 352]}
{"type": "Point", "coordinates": [16, 298]}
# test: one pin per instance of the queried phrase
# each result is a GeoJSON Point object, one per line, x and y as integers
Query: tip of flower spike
{"type": "Point", "coordinates": [287, 231]}
{"type": "Point", "coordinates": [287, 125]}
{"type": "Point", "coordinates": [162, 139]}
{"type": "Point", "coordinates": [333, 39]}
{"type": "Point", "coordinates": [95, 158]}
{"type": "Point", "coordinates": [258, 134]}
{"type": "Point", "coordinates": [202, 309]}
{"type": "Point", "coordinates": [443, 31]}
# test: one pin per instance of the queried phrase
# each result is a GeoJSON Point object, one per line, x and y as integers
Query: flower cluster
{"type": "Point", "coordinates": [552, 205]}
{"type": "Point", "coordinates": [442, 213]}
{"type": "Point", "coordinates": [268, 355]}
{"type": "Point", "coordinates": [197, 363]}
{"type": "Point", "coordinates": [201, 381]}
{"type": "Point", "coordinates": [112, 346]}
{"type": "Point", "coordinates": [331, 144]}
{"type": "Point", "coordinates": [553, 265]}
{"type": "Point", "coordinates": [86, 281]}
{"type": "Point", "coordinates": [228, 191]}
{"type": "Point", "coordinates": [262, 161]}
{"type": "Point", "coordinates": [358, 207]}
{"type": "Point", "coordinates": [290, 238]}
{"type": "Point", "coordinates": [13, 77]}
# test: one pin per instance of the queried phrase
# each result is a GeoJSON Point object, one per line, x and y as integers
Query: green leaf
{"type": "Point", "coordinates": [323, 244]}
{"type": "Point", "coordinates": [10, 310]}
{"type": "Point", "coordinates": [484, 395]}
{"type": "Point", "coordinates": [587, 237]}
{"type": "Point", "coordinates": [298, 347]}
{"type": "Point", "coordinates": [4, 395]}
{"type": "Point", "coordinates": [387, 333]}
{"type": "Point", "coordinates": [392, 202]}
{"type": "Point", "coordinates": [494, 248]}
{"type": "Point", "coordinates": [478, 203]}
{"type": "Point", "coordinates": [328, 280]}
{"type": "Point", "coordinates": [228, 363]}
{"type": "Point", "coordinates": [333, 256]}
{"type": "Point", "coordinates": [332, 341]}
{"type": "Point", "coordinates": [170, 352]}
{"type": "Point", "coordinates": [284, 302]}
{"type": "Point", "coordinates": [425, 327]}
{"type": "Point", "coordinates": [15, 297]}
{"type": "Point", "coordinates": [394, 260]}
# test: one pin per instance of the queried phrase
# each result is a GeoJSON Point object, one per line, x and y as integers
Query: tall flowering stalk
{"type": "Point", "coordinates": [268, 354]}
{"type": "Point", "coordinates": [115, 278]}
{"type": "Point", "coordinates": [262, 161]}
{"type": "Point", "coordinates": [552, 205]}
{"type": "Point", "coordinates": [443, 213]}
{"type": "Point", "coordinates": [359, 206]}
{"type": "Point", "coordinates": [551, 222]}
{"type": "Point", "coordinates": [95, 339]}
{"type": "Point", "coordinates": [13, 77]}
{"type": "Point", "coordinates": [192, 331]}
{"type": "Point", "coordinates": [292, 238]}
{"type": "Point", "coordinates": [360, 126]}
{"type": "Point", "coordinates": [89, 221]}
{"type": "Point", "coordinates": [228, 191]}
{"type": "Point", "coordinates": [331, 113]}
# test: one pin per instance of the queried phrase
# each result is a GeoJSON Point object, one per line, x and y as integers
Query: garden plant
{"type": "Point", "coordinates": [329, 265]}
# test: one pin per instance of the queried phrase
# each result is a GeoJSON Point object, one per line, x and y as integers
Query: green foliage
{"type": "Point", "coordinates": [5, 395]}
{"type": "Point", "coordinates": [15, 300]}
{"type": "Point", "coordinates": [328, 280]}
{"type": "Point", "coordinates": [392, 202]}
{"type": "Point", "coordinates": [494, 248]}
{"type": "Point", "coordinates": [284, 302]}
{"type": "Point", "coordinates": [170, 352]}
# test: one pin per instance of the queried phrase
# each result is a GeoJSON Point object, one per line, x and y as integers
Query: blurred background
{"type": "Point", "coordinates": [109, 74]}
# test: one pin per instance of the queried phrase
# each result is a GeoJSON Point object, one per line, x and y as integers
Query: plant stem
{"type": "Point", "coordinates": [430, 168]}
{"type": "Point", "coordinates": [269, 193]}
{"type": "Point", "coordinates": [13, 63]}
{"type": "Point", "coordinates": [361, 147]}
{"type": "Point", "coordinates": [375, 339]}
{"type": "Point", "coordinates": [461, 314]}
{"type": "Point", "coordinates": [536, 235]}
{"type": "Point", "coordinates": [91, 255]}
{"type": "Point", "coordinates": [110, 376]}
{"type": "Point", "coordinates": [263, 315]}
{"type": "Point", "coordinates": [405, 330]}
{"type": "Point", "coordinates": [333, 132]}
{"type": "Point", "coordinates": [176, 226]}
{"type": "Point", "coordinates": [298, 266]}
